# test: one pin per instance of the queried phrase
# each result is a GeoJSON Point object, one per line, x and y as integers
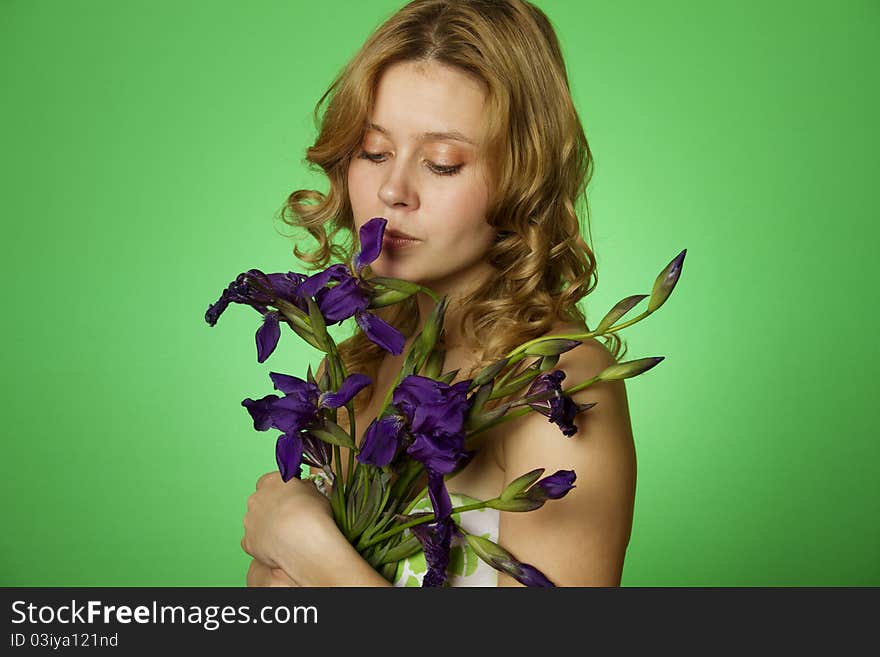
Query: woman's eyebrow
{"type": "Point", "coordinates": [453, 134]}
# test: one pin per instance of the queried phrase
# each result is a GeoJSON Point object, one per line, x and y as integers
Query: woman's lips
{"type": "Point", "coordinates": [393, 240]}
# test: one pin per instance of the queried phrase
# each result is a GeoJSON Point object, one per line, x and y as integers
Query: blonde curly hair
{"type": "Point", "coordinates": [540, 160]}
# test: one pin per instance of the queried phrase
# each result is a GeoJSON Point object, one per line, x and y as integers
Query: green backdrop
{"type": "Point", "coordinates": [147, 147]}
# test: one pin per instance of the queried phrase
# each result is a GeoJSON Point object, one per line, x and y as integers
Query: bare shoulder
{"type": "Point", "coordinates": [581, 539]}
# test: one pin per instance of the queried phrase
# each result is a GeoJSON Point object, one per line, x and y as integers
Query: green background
{"type": "Point", "coordinates": [148, 146]}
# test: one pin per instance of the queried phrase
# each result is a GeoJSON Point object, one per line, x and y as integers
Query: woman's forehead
{"type": "Point", "coordinates": [418, 104]}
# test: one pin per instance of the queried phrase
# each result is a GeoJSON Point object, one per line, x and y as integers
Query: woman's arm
{"type": "Point", "coordinates": [581, 539]}
{"type": "Point", "coordinates": [290, 527]}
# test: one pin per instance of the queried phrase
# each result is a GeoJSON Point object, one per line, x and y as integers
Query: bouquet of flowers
{"type": "Point", "coordinates": [427, 425]}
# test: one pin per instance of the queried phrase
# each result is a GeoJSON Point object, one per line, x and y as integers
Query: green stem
{"type": "Point", "coordinates": [418, 521]}
{"type": "Point", "coordinates": [415, 500]}
{"type": "Point", "coordinates": [577, 336]}
{"type": "Point", "coordinates": [430, 293]}
{"type": "Point", "coordinates": [351, 432]}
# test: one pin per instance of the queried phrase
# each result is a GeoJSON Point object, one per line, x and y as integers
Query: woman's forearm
{"type": "Point", "coordinates": [339, 566]}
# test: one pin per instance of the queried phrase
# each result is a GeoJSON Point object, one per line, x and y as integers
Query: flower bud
{"type": "Point", "coordinates": [665, 282]}
{"type": "Point", "coordinates": [434, 364]}
{"type": "Point", "coordinates": [332, 433]}
{"type": "Point", "coordinates": [500, 559]}
{"type": "Point", "coordinates": [449, 377]}
{"type": "Point", "coordinates": [522, 482]}
{"type": "Point", "coordinates": [395, 284]}
{"type": "Point", "coordinates": [489, 373]}
{"type": "Point", "coordinates": [319, 326]}
{"type": "Point", "coordinates": [515, 505]}
{"type": "Point", "coordinates": [387, 298]}
{"type": "Point", "coordinates": [622, 308]}
{"type": "Point", "coordinates": [553, 487]}
{"type": "Point", "coordinates": [628, 369]}
{"type": "Point", "coordinates": [551, 347]}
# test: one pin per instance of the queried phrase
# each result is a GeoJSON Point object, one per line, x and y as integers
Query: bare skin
{"type": "Point", "coordinates": [579, 540]}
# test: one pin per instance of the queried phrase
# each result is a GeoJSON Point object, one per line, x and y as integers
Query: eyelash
{"type": "Point", "coordinates": [438, 170]}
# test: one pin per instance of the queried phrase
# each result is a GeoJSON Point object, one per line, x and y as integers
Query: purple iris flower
{"type": "Point", "coordinates": [527, 575]}
{"type": "Point", "coordinates": [259, 290]}
{"type": "Point", "coordinates": [560, 409]}
{"type": "Point", "coordinates": [381, 440]}
{"type": "Point", "coordinates": [350, 297]}
{"type": "Point", "coordinates": [294, 413]}
{"type": "Point", "coordinates": [432, 415]}
{"type": "Point", "coordinates": [552, 487]}
{"type": "Point", "coordinates": [436, 540]}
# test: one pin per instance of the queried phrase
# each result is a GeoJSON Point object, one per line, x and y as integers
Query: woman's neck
{"type": "Point", "coordinates": [456, 293]}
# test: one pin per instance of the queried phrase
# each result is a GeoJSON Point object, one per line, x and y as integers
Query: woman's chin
{"type": "Point", "coordinates": [385, 269]}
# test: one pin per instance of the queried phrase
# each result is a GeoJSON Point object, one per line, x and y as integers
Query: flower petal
{"type": "Point", "coordinates": [528, 575]}
{"type": "Point", "coordinates": [381, 333]}
{"type": "Point", "coordinates": [290, 414]}
{"type": "Point", "coordinates": [371, 234]}
{"type": "Point", "coordinates": [440, 500]}
{"type": "Point", "coordinates": [340, 302]}
{"type": "Point", "coordinates": [261, 411]}
{"type": "Point", "coordinates": [352, 385]}
{"type": "Point", "coordinates": [436, 540]}
{"type": "Point", "coordinates": [216, 309]}
{"type": "Point", "coordinates": [381, 440]}
{"type": "Point", "coordinates": [440, 453]}
{"type": "Point", "coordinates": [287, 285]}
{"type": "Point", "coordinates": [288, 455]}
{"type": "Point", "coordinates": [292, 385]}
{"type": "Point", "coordinates": [312, 284]}
{"type": "Point", "coordinates": [315, 451]}
{"type": "Point", "coordinates": [553, 487]}
{"type": "Point", "coordinates": [267, 336]}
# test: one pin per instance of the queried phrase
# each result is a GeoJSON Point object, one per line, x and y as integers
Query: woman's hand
{"type": "Point", "coordinates": [286, 523]}
{"type": "Point", "coordinates": [259, 574]}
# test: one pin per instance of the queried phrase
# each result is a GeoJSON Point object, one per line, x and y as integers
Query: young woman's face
{"type": "Point", "coordinates": [430, 184]}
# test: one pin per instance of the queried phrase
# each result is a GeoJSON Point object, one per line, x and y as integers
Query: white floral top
{"type": "Point", "coordinates": [465, 567]}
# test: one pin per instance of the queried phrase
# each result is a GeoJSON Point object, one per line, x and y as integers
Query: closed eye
{"type": "Point", "coordinates": [378, 158]}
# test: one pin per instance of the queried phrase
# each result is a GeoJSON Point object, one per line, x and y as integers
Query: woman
{"type": "Point", "coordinates": [455, 123]}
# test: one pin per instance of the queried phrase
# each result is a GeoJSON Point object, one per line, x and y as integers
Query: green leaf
{"type": "Point", "coordinates": [319, 326]}
{"type": "Point", "coordinates": [521, 483]}
{"type": "Point", "coordinates": [489, 373]}
{"type": "Point", "coordinates": [448, 377]}
{"type": "Point", "coordinates": [306, 335]}
{"type": "Point", "coordinates": [622, 308]}
{"type": "Point", "coordinates": [517, 382]}
{"type": "Point", "coordinates": [296, 316]}
{"type": "Point", "coordinates": [434, 364]}
{"type": "Point", "coordinates": [332, 433]}
{"type": "Point", "coordinates": [484, 419]}
{"type": "Point", "coordinates": [324, 382]}
{"type": "Point", "coordinates": [406, 548]}
{"type": "Point", "coordinates": [479, 399]}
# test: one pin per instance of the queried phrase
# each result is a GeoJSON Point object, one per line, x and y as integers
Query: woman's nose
{"type": "Point", "coordinates": [398, 189]}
